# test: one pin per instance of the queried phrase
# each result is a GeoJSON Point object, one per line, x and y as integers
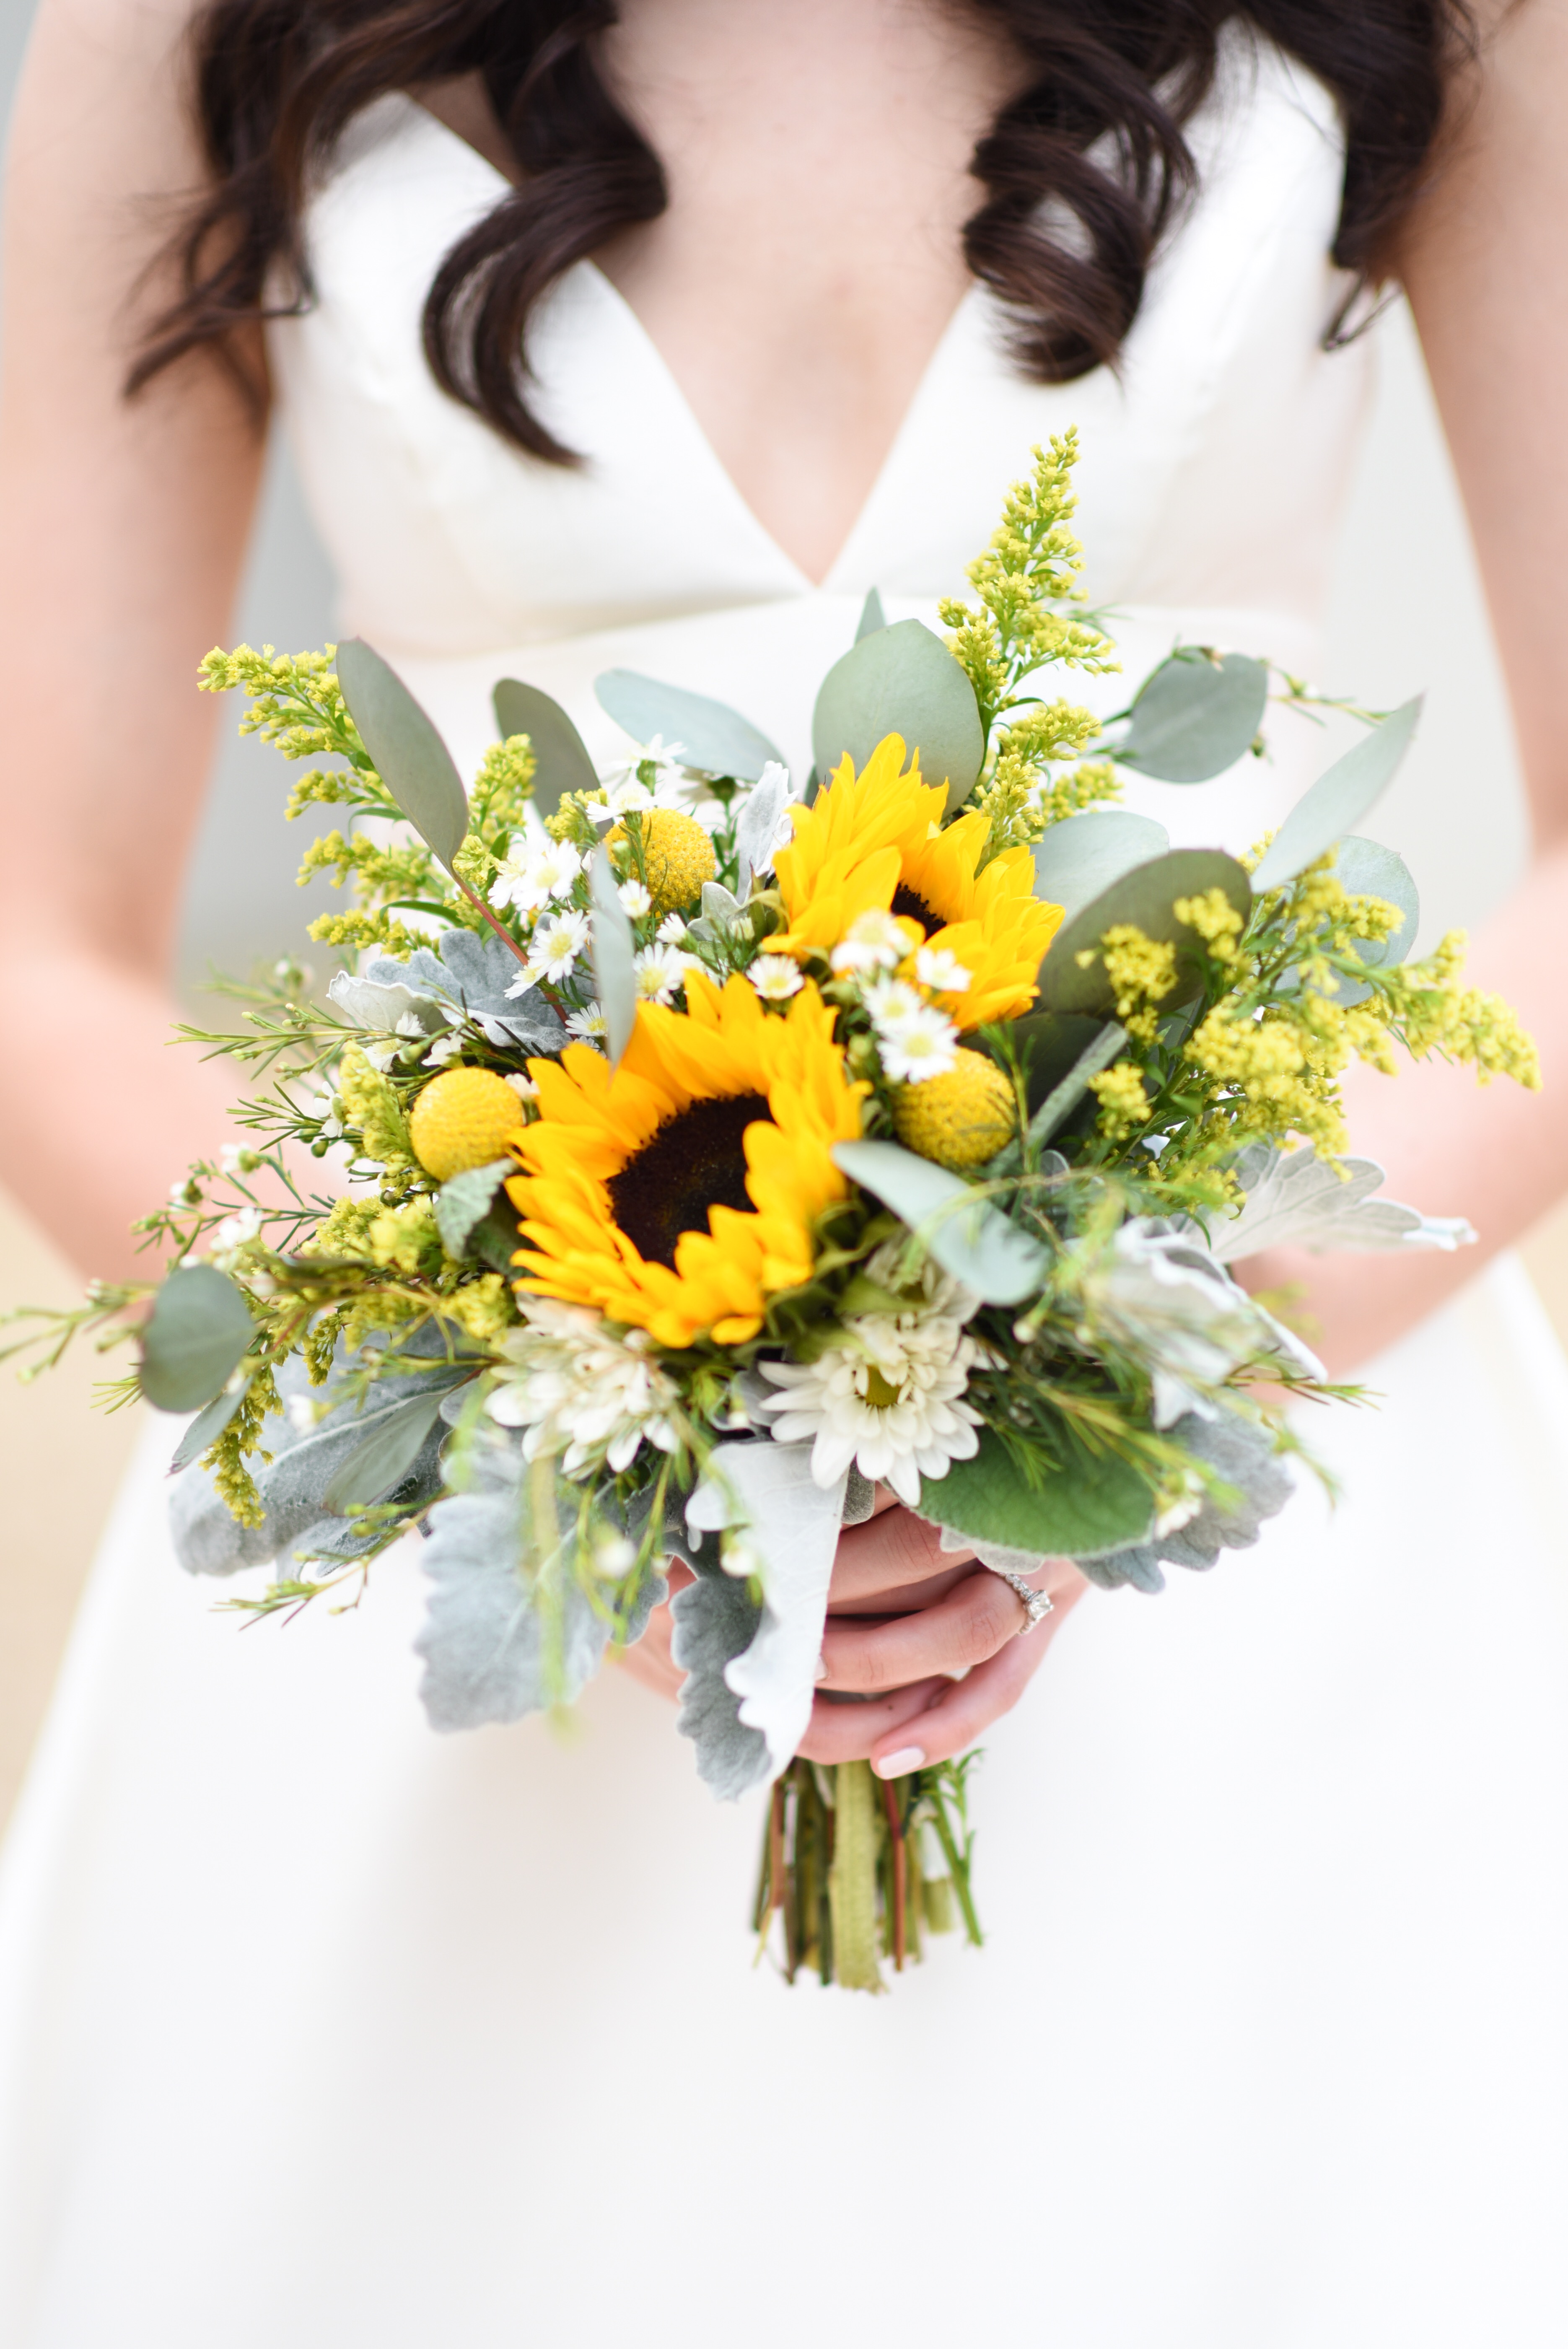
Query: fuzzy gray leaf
{"type": "Point", "coordinates": [463, 1202]}
{"type": "Point", "coordinates": [1296, 1199]}
{"type": "Point", "coordinates": [468, 975]}
{"type": "Point", "coordinates": [382, 1006]}
{"type": "Point", "coordinates": [757, 825]}
{"type": "Point", "coordinates": [508, 1630]}
{"type": "Point", "coordinates": [714, 1622]}
{"type": "Point", "coordinates": [1245, 1455]}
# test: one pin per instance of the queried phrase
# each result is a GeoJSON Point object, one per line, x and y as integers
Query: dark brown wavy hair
{"type": "Point", "coordinates": [1094, 144]}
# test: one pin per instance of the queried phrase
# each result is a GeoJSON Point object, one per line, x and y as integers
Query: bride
{"type": "Point", "coordinates": [656, 336]}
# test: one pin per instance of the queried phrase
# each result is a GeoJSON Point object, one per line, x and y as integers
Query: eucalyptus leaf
{"type": "Point", "coordinates": [1078, 859]}
{"type": "Point", "coordinates": [1145, 897]}
{"type": "Point", "coordinates": [873, 616]}
{"type": "Point", "coordinates": [715, 739]}
{"type": "Point", "coordinates": [562, 763]}
{"type": "Point", "coordinates": [614, 958]}
{"type": "Point", "coordinates": [206, 1428]}
{"type": "Point", "coordinates": [1341, 796]}
{"type": "Point", "coordinates": [1047, 1044]}
{"type": "Point", "coordinates": [1093, 1503]}
{"type": "Point", "coordinates": [464, 1201]}
{"type": "Point", "coordinates": [902, 681]}
{"type": "Point", "coordinates": [1194, 717]}
{"type": "Point", "coordinates": [967, 1234]}
{"type": "Point", "coordinates": [1065, 1096]}
{"type": "Point", "coordinates": [379, 1465]}
{"type": "Point", "coordinates": [196, 1335]}
{"type": "Point", "coordinates": [408, 752]}
{"type": "Point", "coordinates": [1369, 870]}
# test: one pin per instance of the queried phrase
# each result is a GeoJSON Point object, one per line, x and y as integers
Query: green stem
{"type": "Point", "coordinates": [853, 1879]}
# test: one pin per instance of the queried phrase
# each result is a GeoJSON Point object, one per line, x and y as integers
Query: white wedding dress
{"type": "Point", "coordinates": [317, 2028]}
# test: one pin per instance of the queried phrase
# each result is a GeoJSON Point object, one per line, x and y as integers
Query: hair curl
{"type": "Point", "coordinates": [1095, 143]}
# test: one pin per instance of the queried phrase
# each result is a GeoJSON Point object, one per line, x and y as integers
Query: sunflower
{"type": "Point", "coordinates": [678, 1194]}
{"type": "Point", "coordinates": [875, 841]}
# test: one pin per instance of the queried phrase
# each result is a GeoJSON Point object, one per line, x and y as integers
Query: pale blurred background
{"type": "Point", "coordinates": [1407, 616]}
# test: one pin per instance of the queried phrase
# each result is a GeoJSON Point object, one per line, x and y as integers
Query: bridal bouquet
{"type": "Point", "coordinates": [716, 1144]}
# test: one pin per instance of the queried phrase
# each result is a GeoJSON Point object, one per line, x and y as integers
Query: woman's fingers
{"type": "Point", "coordinates": [963, 1711]}
{"type": "Point", "coordinates": [957, 1631]}
{"type": "Point", "coordinates": [889, 1552]}
{"type": "Point", "coordinates": [847, 1732]}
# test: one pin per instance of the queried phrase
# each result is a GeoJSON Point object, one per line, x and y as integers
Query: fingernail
{"type": "Point", "coordinates": [821, 1669]}
{"type": "Point", "coordinates": [900, 1764]}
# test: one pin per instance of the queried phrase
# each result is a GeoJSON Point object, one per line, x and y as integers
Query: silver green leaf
{"type": "Point", "coordinates": [1243, 1456]}
{"type": "Point", "coordinates": [379, 1465]}
{"type": "Point", "coordinates": [1369, 870]}
{"type": "Point", "coordinates": [1146, 898]}
{"type": "Point", "coordinates": [755, 830]}
{"type": "Point", "coordinates": [1077, 860]}
{"type": "Point", "coordinates": [902, 681]}
{"type": "Point", "coordinates": [206, 1428]}
{"type": "Point", "coordinates": [713, 1622]}
{"type": "Point", "coordinates": [715, 739]}
{"type": "Point", "coordinates": [1341, 796]}
{"type": "Point", "coordinates": [1194, 717]}
{"type": "Point", "coordinates": [408, 752]}
{"type": "Point", "coordinates": [562, 763]}
{"type": "Point", "coordinates": [967, 1234]}
{"type": "Point", "coordinates": [873, 616]}
{"type": "Point", "coordinates": [197, 1333]}
{"type": "Point", "coordinates": [1066, 1094]}
{"type": "Point", "coordinates": [614, 958]}
{"type": "Point", "coordinates": [1294, 1199]}
{"type": "Point", "coordinates": [464, 1201]}
{"type": "Point", "coordinates": [1093, 1504]}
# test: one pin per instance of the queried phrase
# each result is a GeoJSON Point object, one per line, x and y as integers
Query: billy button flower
{"type": "Point", "coordinates": [676, 856]}
{"type": "Point", "coordinates": [875, 841]}
{"type": "Point", "coordinates": [464, 1118]}
{"type": "Point", "coordinates": [959, 1118]}
{"type": "Point", "coordinates": [678, 1193]}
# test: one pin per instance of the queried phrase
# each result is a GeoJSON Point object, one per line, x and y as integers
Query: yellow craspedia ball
{"type": "Point", "coordinates": [961, 1117]}
{"type": "Point", "coordinates": [464, 1117]}
{"type": "Point", "coordinates": [678, 855]}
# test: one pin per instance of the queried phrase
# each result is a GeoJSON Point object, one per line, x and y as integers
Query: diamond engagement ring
{"type": "Point", "coordinates": [1037, 1605]}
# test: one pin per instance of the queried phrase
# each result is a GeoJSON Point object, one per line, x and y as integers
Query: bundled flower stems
{"type": "Point", "coordinates": [717, 1143]}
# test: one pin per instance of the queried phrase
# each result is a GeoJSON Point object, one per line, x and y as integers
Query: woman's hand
{"type": "Point", "coordinates": [904, 1619]}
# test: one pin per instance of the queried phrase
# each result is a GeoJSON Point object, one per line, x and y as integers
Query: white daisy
{"type": "Point", "coordinates": [635, 897]}
{"type": "Point", "coordinates": [581, 1391]}
{"type": "Point", "coordinates": [876, 941]}
{"type": "Point", "coordinates": [660, 973]}
{"type": "Point", "coordinates": [887, 1394]}
{"type": "Point", "coordinates": [775, 978]}
{"type": "Point", "coordinates": [925, 1043]}
{"type": "Point", "coordinates": [558, 939]}
{"type": "Point", "coordinates": [533, 877]}
{"type": "Point", "coordinates": [888, 999]}
{"type": "Point", "coordinates": [672, 930]}
{"type": "Point", "coordinates": [940, 969]}
{"type": "Point", "coordinates": [590, 1024]}
{"type": "Point", "coordinates": [524, 1087]}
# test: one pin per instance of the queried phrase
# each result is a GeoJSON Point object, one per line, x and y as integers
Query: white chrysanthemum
{"type": "Point", "coordinates": [635, 898]}
{"type": "Point", "coordinates": [581, 1391]}
{"type": "Point", "coordinates": [556, 943]}
{"type": "Point", "coordinates": [532, 875]}
{"type": "Point", "coordinates": [876, 941]}
{"type": "Point", "coordinates": [660, 973]}
{"type": "Point", "coordinates": [776, 977]}
{"type": "Point", "coordinates": [887, 1394]}
{"type": "Point", "coordinates": [888, 999]}
{"type": "Point", "coordinates": [940, 969]}
{"type": "Point", "coordinates": [924, 1043]}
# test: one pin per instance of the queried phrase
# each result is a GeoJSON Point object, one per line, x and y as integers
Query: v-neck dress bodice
{"type": "Point", "coordinates": [1214, 458]}
{"type": "Point", "coordinates": [319, 2030]}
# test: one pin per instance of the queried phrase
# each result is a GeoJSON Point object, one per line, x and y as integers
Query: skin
{"type": "Point", "coordinates": [797, 285]}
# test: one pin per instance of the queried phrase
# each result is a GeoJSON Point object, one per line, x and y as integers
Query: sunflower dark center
{"type": "Point", "coordinates": [694, 1161]}
{"type": "Point", "coordinates": [914, 909]}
